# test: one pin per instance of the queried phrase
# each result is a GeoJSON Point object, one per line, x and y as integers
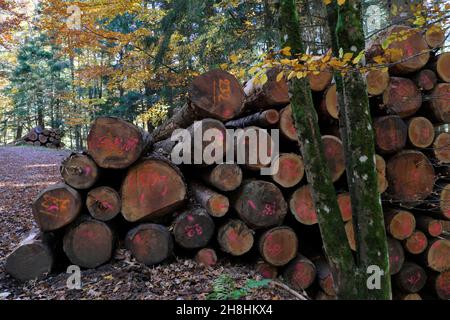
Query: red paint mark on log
{"type": "Point", "coordinates": [251, 204]}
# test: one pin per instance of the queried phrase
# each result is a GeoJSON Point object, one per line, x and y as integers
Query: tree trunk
{"type": "Point", "coordinates": [357, 136]}
{"type": "Point", "coordinates": [305, 118]}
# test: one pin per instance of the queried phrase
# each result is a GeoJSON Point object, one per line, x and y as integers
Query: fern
{"type": "Point", "coordinates": [224, 288]}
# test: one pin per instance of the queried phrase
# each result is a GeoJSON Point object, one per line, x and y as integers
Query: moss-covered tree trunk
{"type": "Point", "coordinates": [358, 141]}
{"type": "Point", "coordinates": [305, 117]}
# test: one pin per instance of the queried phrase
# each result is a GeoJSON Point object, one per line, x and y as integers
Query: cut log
{"type": "Point", "coordinates": [402, 97]}
{"type": "Point", "coordinates": [390, 134]}
{"type": "Point", "coordinates": [37, 143]}
{"type": "Point", "coordinates": [325, 277]}
{"type": "Point", "coordinates": [416, 243]}
{"type": "Point", "coordinates": [411, 278]}
{"type": "Point", "coordinates": [206, 257]}
{"type": "Point", "coordinates": [435, 36]}
{"type": "Point", "coordinates": [235, 238]}
{"type": "Point", "coordinates": [411, 177]}
{"type": "Point", "coordinates": [377, 81]}
{"type": "Point", "coordinates": [381, 173]}
{"type": "Point", "coordinates": [334, 155]}
{"type": "Point", "coordinates": [329, 107]}
{"type": "Point", "coordinates": [260, 204]}
{"type": "Point", "coordinates": [193, 229]}
{"type": "Point", "coordinates": [441, 147]}
{"type": "Point", "coordinates": [396, 256]}
{"type": "Point", "coordinates": [272, 94]}
{"type": "Point", "coordinates": [302, 206]}
{"type": "Point", "coordinates": [266, 270]}
{"type": "Point", "coordinates": [33, 258]}
{"type": "Point", "coordinates": [345, 206]}
{"type": "Point", "coordinates": [215, 94]}
{"type": "Point", "coordinates": [79, 171]}
{"type": "Point", "coordinates": [440, 102]}
{"type": "Point", "coordinates": [149, 243]}
{"type": "Point", "coordinates": [441, 197]}
{"type": "Point", "coordinates": [429, 226]}
{"type": "Point", "coordinates": [115, 143]}
{"type": "Point", "coordinates": [278, 246]}
{"type": "Point", "coordinates": [291, 169]}
{"type": "Point", "coordinates": [400, 224]}
{"type": "Point", "coordinates": [103, 203]}
{"type": "Point", "coordinates": [32, 136]}
{"type": "Point", "coordinates": [300, 273]}
{"type": "Point", "coordinates": [215, 204]}
{"type": "Point", "coordinates": [350, 232]}
{"type": "Point", "coordinates": [43, 139]}
{"type": "Point", "coordinates": [420, 132]}
{"type": "Point", "coordinates": [225, 177]}
{"type": "Point", "coordinates": [408, 296]}
{"type": "Point", "coordinates": [440, 284]}
{"type": "Point", "coordinates": [151, 189]}
{"type": "Point", "coordinates": [247, 148]}
{"type": "Point", "coordinates": [262, 119]}
{"type": "Point", "coordinates": [441, 66]}
{"type": "Point", "coordinates": [425, 79]}
{"type": "Point", "coordinates": [287, 126]}
{"type": "Point", "coordinates": [437, 255]}
{"type": "Point", "coordinates": [318, 82]}
{"type": "Point", "coordinates": [89, 243]}
{"type": "Point", "coordinates": [56, 207]}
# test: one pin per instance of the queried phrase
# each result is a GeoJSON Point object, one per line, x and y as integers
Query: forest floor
{"type": "Point", "coordinates": [24, 172]}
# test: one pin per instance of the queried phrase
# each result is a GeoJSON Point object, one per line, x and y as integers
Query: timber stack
{"type": "Point", "coordinates": [42, 137]}
{"type": "Point", "coordinates": [127, 177]}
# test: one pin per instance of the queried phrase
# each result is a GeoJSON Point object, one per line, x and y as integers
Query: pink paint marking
{"type": "Point", "coordinates": [251, 204]}
{"type": "Point", "coordinates": [190, 218]}
{"type": "Point", "coordinates": [87, 170]}
{"type": "Point", "coordinates": [53, 208]}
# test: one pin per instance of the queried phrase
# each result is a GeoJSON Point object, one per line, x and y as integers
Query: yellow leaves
{"type": "Point", "coordinates": [263, 79]}
{"type": "Point", "coordinates": [286, 51]}
{"type": "Point", "coordinates": [300, 74]}
{"type": "Point", "coordinates": [285, 61]}
{"type": "Point", "coordinates": [260, 79]}
{"type": "Point", "coordinates": [379, 59]}
{"type": "Point", "coordinates": [393, 54]}
{"type": "Point", "coordinates": [234, 58]}
{"type": "Point", "coordinates": [327, 2]}
{"type": "Point", "coordinates": [347, 56]}
{"type": "Point", "coordinates": [253, 70]}
{"type": "Point", "coordinates": [223, 66]}
{"type": "Point", "coordinates": [280, 76]}
{"type": "Point", "coordinates": [358, 57]}
{"type": "Point", "coordinates": [394, 10]}
{"type": "Point", "coordinates": [340, 2]}
{"type": "Point", "coordinates": [420, 21]}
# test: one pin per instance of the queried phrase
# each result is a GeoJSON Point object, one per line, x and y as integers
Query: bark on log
{"type": "Point", "coordinates": [260, 204]}
{"type": "Point", "coordinates": [411, 177]}
{"type": "Point", "coordinates": [89, 243]}
{"type": "Point", "coordinates": [400, 224]}
{"type": "Point", "coordinates": [396, 256]}
{"type": "Point", "coordinates": [286, 125]}
{"type": "Point", "coordinates": [193, 229]}
{"type": "Point", "coordinates": [151, 189]}
{"type": "Point", "coordinates": [300, 273]}
{"type": "Point", "coordinates": [437, 255]}
{"type": "Point", "coordinates": [291, 170]}
{"type": "Point", "coordinates": [206, 257]}
{"type": "Point", "coordinates": [79, 171]}
{"type": "Point", "coordinates": [377, 81]}
{"type": "Point", "coordinates": [273, 93]}
{"type": "Point", "coordinates": [103, 203]}
{"type": "Point", "coordinates": [278, 246]}
{"type": "Point", "coordinates": [235, 238]}
{"type": "Point", "coordinates": [215, 94]}
{"type": "Point", "coordinates": [115, 143]}
{"type": "Point", "coordinates": [416, 243]}
{"type": "Point", "coordinates": [390, 134]}
{"type": "Point", "coordinates": [225, 177]}
{"type": "Point", "coordinates": [420, 132]}
{"type": "Point", "coordinates": [411, 278]}
{"type": "Point", "coordinates": [402, 97]}
{"type": "Point", "coordinates": [149, 243]}
{"type": "Point", "coordinates": [302, 206]}
{"type": "Point", "coordinates": [215, 204]}
{"type": "Point", "coordinates": [56, 207]}
{"type": "Point", "coordinates": [334, 155]}
{"type": "Point", "coordinates": [440, 102]}
{"type": "Point", "coordinates": [33, 258]}
{"type": "Point", "coordinates": [262, 119]}
{"type": "Point", "coordinates": [425, 79]}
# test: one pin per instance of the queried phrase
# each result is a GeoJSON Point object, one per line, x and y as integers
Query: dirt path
{"type": "Point", "coordinates": [24, 171]}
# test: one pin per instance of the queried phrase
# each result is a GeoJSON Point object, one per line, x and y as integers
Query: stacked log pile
{"type": "Point", "coordinates": [126, 190]}
{"type": "Point", "coordinates": [41, 137]}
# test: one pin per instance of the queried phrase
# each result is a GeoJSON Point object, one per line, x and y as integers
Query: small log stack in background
{"type": "Point", "coordinates": [127, 179]}
{"type": "Point", "coordinates": [41, 137]}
